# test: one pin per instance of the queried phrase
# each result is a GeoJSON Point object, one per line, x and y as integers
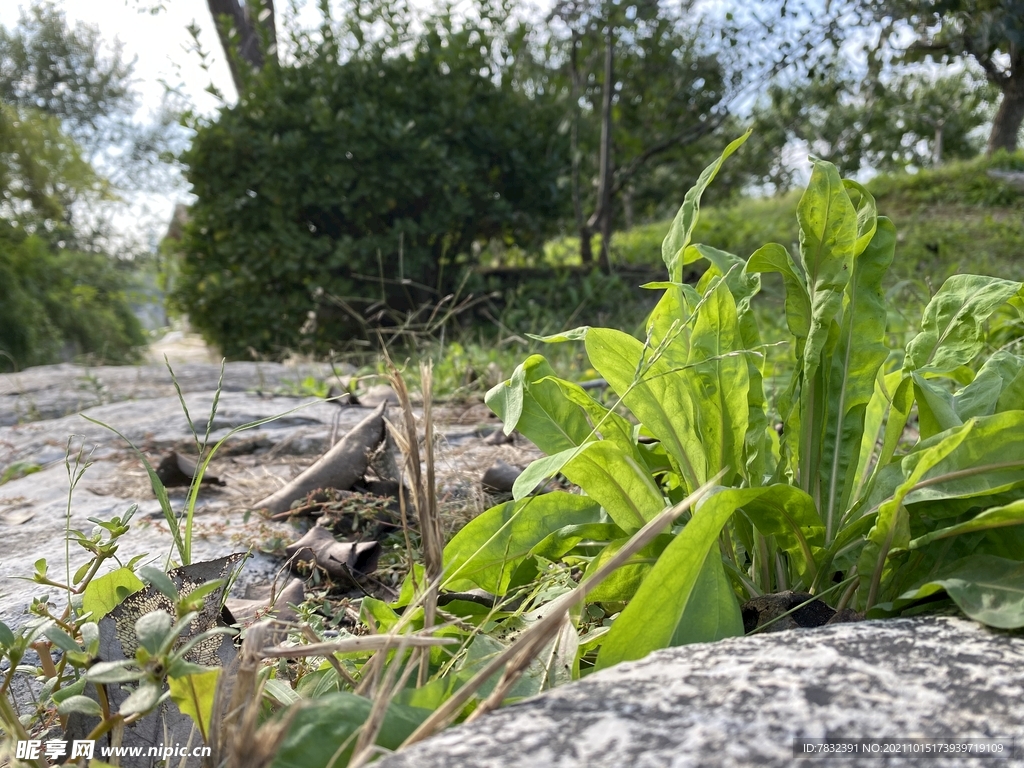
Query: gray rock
{"type": "Point", "coordinates": [142, 404]}
{"type": "Point", "coordinates": [51, 391]}
{"type": "Point", "coordinates": [743, 701]}
{"type": "Point", "coordinates": [377, 394]}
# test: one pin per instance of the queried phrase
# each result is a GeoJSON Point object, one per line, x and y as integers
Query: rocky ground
{"type": "Point", "coordinates": [43, 430]}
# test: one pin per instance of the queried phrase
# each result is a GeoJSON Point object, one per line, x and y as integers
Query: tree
{"type": "Point", "coordinates": [61, 70]}
{"type": "Point", "coordinates": [639, 85]}
{"type": "Point", "coordinates": [932, 120]}
{"type": "Point", "coordinates": [62, 103]}
{"type": "Point", "coordinates": [335, 190]}
{"type": "Point", "coordinates": [989, 31]}
{"type": "Point", "coordinates": [248, 35]}
{"type": "Point", "coordinates": [54, 301]}
{"type": "Point", "coordinates": [69, 73]}
{"type": "Point", "coordinates": [887, 120]}
{"type": "Point", "coordinates": [42, 171]}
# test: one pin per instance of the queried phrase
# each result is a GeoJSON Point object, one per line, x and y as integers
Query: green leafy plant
{"type": "Point", "coordinates": [847, 503]}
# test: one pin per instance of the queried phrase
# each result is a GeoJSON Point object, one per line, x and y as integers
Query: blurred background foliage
{"type": "Point", "coordinates": [479, 172]}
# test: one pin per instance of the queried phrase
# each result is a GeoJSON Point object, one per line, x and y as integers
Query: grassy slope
{"type": "Point", "coordinates": [953, 219]}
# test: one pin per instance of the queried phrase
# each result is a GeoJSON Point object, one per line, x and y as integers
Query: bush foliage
{"type": "Point", "coordinates": [56, 304]}
{"type": "Point", "coordinates": [330, 187]}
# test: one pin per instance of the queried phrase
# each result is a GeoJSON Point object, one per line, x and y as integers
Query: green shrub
{"type": "Point", "coordinates": [57, 304]}
{"type": "Point", "coordinates": [332, 187]}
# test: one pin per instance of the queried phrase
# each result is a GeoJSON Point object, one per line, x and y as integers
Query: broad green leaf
{"type": "Point", "coordinates": [540, 470]}
{"type": "Point", "coordinates": [60, 638]}
{"type": "Point", "coordinates": [194, 696]}
{"type": "Point", "coordinates": [744, 285]}
{"type": "Point", "coordinates": [506, 399]}
{"type": "Point", "coordinates": [160, 581]}
{"type": "Point", "coordinates": [859, 355]}
{"type": "Point", "coordinates": [789, 514]}
{"type": "Point", "coordinates": [323, 735]}
{"type": "Point", "coordinates": [998, 517]}
{"type": "Point", "coordinates": [828, 234]}
{"type": "Point", "coordinates": [935, 409]}
{"type": "Point", "coordinates": [606, 424]}
{"type": "Point", "coordinates": [993, 389]}
{"type": "Point", "coordinates": [891, 530]}
{"type": "Point", "coordinates": [487, 550]}
{"type": "Point", "coordinates": [153, 630]}
{"type": "Point", "coordinates": [650, 619]}
{"type": "Point", "coordinates": [828, 237]}
{"type": "Point", "coordinates": [668, 324]}
{"type": "Point", "coordinates": [720, 383]}
{"type": "Point", "coordinates": [681, 231]}
{"type": "Point", "coordinates": [867, 214]}
{"type": "Point", "coordinates": [545, 415]}
{"type": "Point", "coordinates": [556, 545]}
{"type": "Point", "coordinates": [952, 325]}
{"type": "Point", "coordinates": [714, 612]}
{"type": "Point", "coordinates": [896, 416]}
{"type": "Point", "coordinates": [617, 482]}
{"type": "Point", "coordinates": [6, 636]}
{"type": "Point", "coordinates": [774, 258]}
{"type": "Point", "coordinates": [108, 591]}
{"type": "Point", "coordinates": [279, 691]}
{"type": "Point", "coordinates": [988, 460]}
{"type": "Point", "coordinates": [67, 691]}
{"type": "Point", "coordinates": [874, 421]}
{"type": "Point", "coordinates": [142, 699]}
{"type": "Point", "coordinates": [383, 615]}
{"type": "Point", "coordinates": [1013, 394]}
{"type": "Point", "coordinates": [609, 425]}
{"type": "Point", "coordinates": [661, 399]}
{"type": "Point", "coordinates": [112, 672]}
{"type": "Point", "coordinates": [986, 588]}
{"type": "Point", "coordinates": [625, 580]}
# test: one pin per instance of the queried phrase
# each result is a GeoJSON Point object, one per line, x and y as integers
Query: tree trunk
{"type": "Point", "coordinates": [604, 204]}
{"type": "Point", "coordinates": [586, 253]}
{"type": "Point", "coordinates": [586, 245]}
{"type": "Point", "coordinates": [627, 205]}
{"type": "Point", "coordinates": [241, 26]}
{"type": "Point", "coordinates": [937, 148]}
{"type": "Point", "coordinates": [1006, 124]}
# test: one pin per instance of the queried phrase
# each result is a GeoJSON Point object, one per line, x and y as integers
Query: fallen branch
{"type": "Point", "coordinates": [341, 467]}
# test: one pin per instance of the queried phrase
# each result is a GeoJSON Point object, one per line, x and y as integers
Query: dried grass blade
{"type": "Point", "coordinates": [430, 519]}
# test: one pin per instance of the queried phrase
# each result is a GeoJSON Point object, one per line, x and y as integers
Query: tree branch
{"type": "Point", "coordinates": [239, 28]}
{"type": "Point", "coordinates": [683, 138]}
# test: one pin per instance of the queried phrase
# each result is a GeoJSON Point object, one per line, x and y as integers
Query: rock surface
{"type": "Point", "coordinates": [743, 701]}
{"type": "Point", "coordinates": [42, 408]}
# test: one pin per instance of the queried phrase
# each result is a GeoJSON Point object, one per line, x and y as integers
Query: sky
{"type": "Point", "coordinates": [159, 43]}
{"type": "Point", "coordinates": [161, 48]}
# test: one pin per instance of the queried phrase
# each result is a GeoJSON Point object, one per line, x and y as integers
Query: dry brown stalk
{"type": "Point", "coordinates": [237, 740]}
{"type": "Point", "coordinates": [355, 644]}
{"type": "Point", "coordinates": [423, 492]}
